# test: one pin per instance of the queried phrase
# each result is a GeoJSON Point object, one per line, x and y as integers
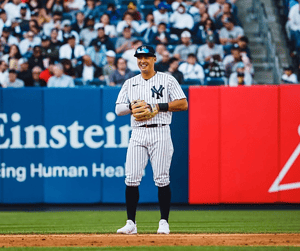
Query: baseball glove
{"type": "Point", "coordinates": [143, 111]}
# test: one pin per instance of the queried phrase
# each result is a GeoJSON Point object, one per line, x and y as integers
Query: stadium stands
{"type": "Point", "coordinates": [53, 25]}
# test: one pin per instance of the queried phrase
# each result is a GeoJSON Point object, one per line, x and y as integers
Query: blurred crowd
{"type": "Point", "coordinates": [292, 73]}
{"type": "Point", "coordinates": [66, 43]}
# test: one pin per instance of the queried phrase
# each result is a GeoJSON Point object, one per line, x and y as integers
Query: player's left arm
{"type": "Point", "coordinates": [176, 105]}
{"type": "Point", "coordinates": [177, 99]}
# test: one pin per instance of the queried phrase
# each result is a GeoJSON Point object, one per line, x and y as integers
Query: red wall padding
{"type": "Point", "coordinates": [289, 141]}
{"type": "Point", "coordinates": [236, 140]}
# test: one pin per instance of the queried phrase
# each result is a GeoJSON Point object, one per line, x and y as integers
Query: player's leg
{"type": "Point", "coordinates": [161, 155]}
{"type": "Point", "coordinates": [136, 161]}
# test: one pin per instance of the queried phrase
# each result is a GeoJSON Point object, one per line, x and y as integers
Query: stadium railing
{"type": "Point", "coordinates": [259, 13]}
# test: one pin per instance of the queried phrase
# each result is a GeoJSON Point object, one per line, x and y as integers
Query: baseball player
{"type": "Point", "coordinates": [150, 98]}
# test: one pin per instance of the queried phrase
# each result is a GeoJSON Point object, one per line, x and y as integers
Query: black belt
{"type": "Point", "coordinates": [152, 125]}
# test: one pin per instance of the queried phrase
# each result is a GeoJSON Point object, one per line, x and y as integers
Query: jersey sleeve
{"type": "Point", "coordinates": [175, 90]}
{"type": "Point", "coordinates": [123, 95]}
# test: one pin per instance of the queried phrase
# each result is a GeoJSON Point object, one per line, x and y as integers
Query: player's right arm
{"type": "Point", "coordinates": [122, 104]}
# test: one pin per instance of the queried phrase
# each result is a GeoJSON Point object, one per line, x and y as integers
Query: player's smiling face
{"type": "Point", "coordinates": [146, 63]}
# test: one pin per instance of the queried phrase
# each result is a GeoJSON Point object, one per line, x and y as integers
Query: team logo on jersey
{"type": "Point", "coordinates": [157, 92]}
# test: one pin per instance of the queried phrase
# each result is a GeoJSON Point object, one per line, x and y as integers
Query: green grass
{"type": "Point", "coordinates": [159, 249]}
{"type": "Point", "coordinates": [180, 222]}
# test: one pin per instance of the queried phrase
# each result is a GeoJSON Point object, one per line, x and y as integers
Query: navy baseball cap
{"type": "Point", "coordinates": [6, 29]}
{"type": "Point", "coordinates": [45, 38]}
{"type": "Point", "coordinates": [145, 50]}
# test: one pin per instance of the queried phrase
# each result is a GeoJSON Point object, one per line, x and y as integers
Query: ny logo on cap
{"type": "Point", "coordinates": [143, 49]}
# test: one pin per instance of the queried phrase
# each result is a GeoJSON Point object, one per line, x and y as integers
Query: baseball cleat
{"type": "Point", "coordinates": [163, 227]}
{"type": "Point", "coordinates": [129, 228]}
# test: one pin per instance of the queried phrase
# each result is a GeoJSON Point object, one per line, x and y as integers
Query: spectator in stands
{"type": "Point", "coordinates": [130, 58]}
{"type": "Point", "coordinates": [55, 6]}
{"type": "Point", "coordinates": [216, 9]}
{"type": "Point", "coordinates": [97, 53]}
{"type": "Point", "coordinates": [27, 44]}
{"type": "Point", "coordinates": [72, 6]}
{"type": "Point", "coordinates": [181, 21]}
{"type": "Point", "coordinates": [173, 70]}
{"type": "Point", "coordinates": [12, 57]}
{"type": "Point", "coordinates": [243, 45]}
{"type": "Point", "coordinates": [3, 20]}
{"type": "Point", "coordinates": [156, 3]}
{"type": "Point", "coordinates": [55, 22]}
{"type": "Point", "coordinates": [201, 16]}
{"type": "Point", "coordinates": [131, 8]}
{"type": "Point", "coordinates": [60, 79]}
{"type": "Point", "coordinates": [124, 43]}
{"type": "Point", "coordinates": [88, 33]}
{"type": "Point", "coordinates": [161, 15]}
{"type": "Point", "coordinates": [113, 13]}
{"type": "Point", "coordinates": [289, 77]}
{"type": "Point", "coordinates": [13, 81]}
{"type": "Point", "coordinates": [148, 29]}
{"type": "Point", "coordinates": [231, 60]}
{"type": "Point", "coordinates": [293, 28]}
{"type": "Point", "coordinates": [175, 4]}
{"type": "Point", "coordinates": [128, 21]}
{"type": "Point", "coordinates": [36, 81]}
{"type": "Point", "coordinates": [34, 27]}
{"type": "Point", "coordinates": [47, 73]}
{"type": "Point", "coordinates": [3, 72]}
{"type": "Point", "coordinates": [162, 36]}
{"type": "Point", "coordinates": [206, 51]}
{"type": "Point", "coordinates": [194, 11]}
{"type": "Point", "coordinates": [88, 71]}
{"type": "Point", "coordinates": [22, 21]}
{"type": "Point", "coordinates": [191, 69]}
{"type": "Point", "coordinates": [66, 31]}
{"type": "Point", "coordinates": [183, 50]}
{"type": "Point", "coordinates": [71, 50]}
{"type": "Point", "coordinates": [24, 72]}
{"type": "Point", "coordinates": [159, 49]}
{"type": "Point", "coordinates": [110, 67]}
{"type": "Point", "coordinates": [216, 67]}
{"type": "Point", "coordinates": [68, 68]}
{"type": "Point", "coordinates": [36, 59]}
{"type": "Point", "coordinates": [102, 37]}
{"type": "Point", "coordinates": [55, 43]}
{"type": "Point", "coordinates": [164, 64]}
{"type": "Point", "coordinates": [122, 73]}
{"type": "Point", "coordinates": [91, 9]}
{"type": "Point", "coordinates": [19, 27]}
{"type": "Point", "coordinates": [230, 34]}
{"type": "Point", "coordinates": [202, 31]}
{"type": "Point", "coordinates": [13, 9]}
{"type": "Point", "coordinates": [240, 77]}
{"type": "Point", "coordinates": [49, 51]}
{"type": "Point", "coordinates": [110, 29]}
{"type": "Point", "coordinates": [7, 39]}
{"type": "Point", "coordinates": [79, 23]}
{"type": "Point", "coordinates": [228, 11]}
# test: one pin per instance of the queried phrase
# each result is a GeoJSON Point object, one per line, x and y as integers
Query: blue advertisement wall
{"type": "Point", "coordinates": [68, 146]}
{"type": "Point", "coordinates": [21, 108]}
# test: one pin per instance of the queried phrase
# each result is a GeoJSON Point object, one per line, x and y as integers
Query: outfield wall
{"type": "Point", "coordinates": [68, 146]}
{"type": "Point", "coordinates": [244, 144]}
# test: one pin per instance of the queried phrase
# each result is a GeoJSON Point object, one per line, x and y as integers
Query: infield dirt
{"type": "Point", "coordinates": [101, 240]}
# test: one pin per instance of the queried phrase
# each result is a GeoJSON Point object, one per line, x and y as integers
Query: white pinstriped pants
{"type": "Point", "coordinates": [154, 143]}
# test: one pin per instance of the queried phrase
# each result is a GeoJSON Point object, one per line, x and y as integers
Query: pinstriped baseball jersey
{"type": "Point", "coordinates": [161, 88]}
